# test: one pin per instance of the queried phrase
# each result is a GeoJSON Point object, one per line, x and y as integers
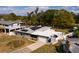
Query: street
{"type": "Point", "coordinates": [74, 48]}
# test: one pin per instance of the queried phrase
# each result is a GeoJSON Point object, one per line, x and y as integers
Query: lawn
{"type": "Point", "coordinates": [10, 43]}
{"type": "Point", "coordinates": [62, 30]}
{"type": "Point", "coordinates": [46, 49]}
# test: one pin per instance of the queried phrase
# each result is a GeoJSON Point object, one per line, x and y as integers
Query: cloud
{"type": "Point", "coordinates": [22, 10]}
{"type": "Point", "coordinates": [71, 8]}
{"type": "Point", "coordinates": [28, 9]}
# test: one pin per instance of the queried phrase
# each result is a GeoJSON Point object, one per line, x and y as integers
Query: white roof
{"type": "Point", "coordinates": [28, 30]}
{"type": "Point", "coordinates": [43, 28]}
{"type": "Point", "coordinates": [45, 31]}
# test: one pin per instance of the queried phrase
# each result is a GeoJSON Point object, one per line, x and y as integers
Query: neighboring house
{"type": "Point", "coordinates": [9, 26]}
{"type": "Point", "coordinates": [44, 34]}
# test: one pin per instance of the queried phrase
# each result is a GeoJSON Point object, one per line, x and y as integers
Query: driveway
{"type": "Point", "coordinates": [30, 48]}
{"type": "Point", "coordinates": [74, 48]}
{"type": "Point", "coordinates": [74, 40]}
{"type": "Point", "coordinates": [36, 45]}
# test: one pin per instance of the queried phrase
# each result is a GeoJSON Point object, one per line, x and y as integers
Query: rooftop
{"type": "Point", "coordinates": [46, 33]}
{"type": "Point", "coordinates": [42, 31]}
{"type": "Point", "coordinates": [6, 22]}
{"type": "Point", "coordinates": [35, 27]}
{"type": "Point", "coordinates": [3, 22]}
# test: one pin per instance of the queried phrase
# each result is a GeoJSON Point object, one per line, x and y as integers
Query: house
{"type": "Point", "coordinates": [10, 26]}
{"type": "Point", "coordinates": [44, 34]}
{"type": "Point", "coordinates": [27, 32]}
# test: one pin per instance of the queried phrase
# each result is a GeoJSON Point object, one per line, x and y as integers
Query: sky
{"type": "Point", "coordinates": [22, 10]}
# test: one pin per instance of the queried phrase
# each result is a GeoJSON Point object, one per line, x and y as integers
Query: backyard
{"type": "Point", "coordinates": [10, 43]}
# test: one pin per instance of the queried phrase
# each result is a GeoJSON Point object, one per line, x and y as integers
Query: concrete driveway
{"type": "Point", "coordinates": [73, 47]}
{"type": "Point", "coordinates": [29, 48]}
{"type": "Point", "coordinates": [74, 40]}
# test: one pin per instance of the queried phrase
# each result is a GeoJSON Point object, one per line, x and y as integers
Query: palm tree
{"type": "Point", "coordinates": [36, 10]}
{"type": "Point", "coordinates": [29, 15]}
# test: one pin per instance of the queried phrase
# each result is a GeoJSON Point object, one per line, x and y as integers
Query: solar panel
{"type": "Point", "coordinates": [35, 28]}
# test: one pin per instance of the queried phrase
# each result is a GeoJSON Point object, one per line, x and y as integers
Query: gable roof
{"type": "Point", "coordinates": [6, 22]}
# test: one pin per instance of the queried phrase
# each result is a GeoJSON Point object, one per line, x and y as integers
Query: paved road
{"type": "Point", "coordinates": [74, 40]}
{"type": "Point", "coordinates": [74, 48]}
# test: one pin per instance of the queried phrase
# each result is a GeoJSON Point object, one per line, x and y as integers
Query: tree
{"type": "Point", "coordinates": [36, 10]}
{"type": "Point", "coordinates": [54, 18]}
{"type": "Point", "coordinates": [63, 19]}
{"type": "Point", "coordinates": [76, 33]}
{"type": "Point", "coordinates": [33, 17]}
{"type": "Point", "coordinates": [29, 15]}
{"type": "Point", "coordinates": [34, 20]}
{"type": "Point", "coordinates": [77, 18]}
{"type": "Point", "coordinates": [63, 47]}
{"type": "Point", "coordinates": [10, 16]}
{"type": "Point", "coordinates": [57, 18]}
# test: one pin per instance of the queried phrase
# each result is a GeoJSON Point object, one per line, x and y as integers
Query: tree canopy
{"type": "Point", "coordinates": [55, 18]}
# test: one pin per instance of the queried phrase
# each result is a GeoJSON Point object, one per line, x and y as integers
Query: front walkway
{"type": "Point", "coordinates": [29, 48]}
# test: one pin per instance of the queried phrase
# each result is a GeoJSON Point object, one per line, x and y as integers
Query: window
{"type": "Point", "coordinates": [7, 30]}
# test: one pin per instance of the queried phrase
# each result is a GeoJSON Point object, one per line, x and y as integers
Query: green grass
{"type": "Point", "coordinates": [10, 43]}
{"type": "Point", "coordinates": [46, 49]}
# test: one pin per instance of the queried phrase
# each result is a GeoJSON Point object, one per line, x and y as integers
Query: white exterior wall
{"type": "Point", "coordinates": [14, 26]}
{"type": "Point", "coordinates": [42, 39]}
{"type": "Point", "coordinates": [12, 33]}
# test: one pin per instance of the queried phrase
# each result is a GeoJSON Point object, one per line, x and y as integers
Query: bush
{"type": "Point", "coordinates": [63, 47]}
{"type": "Point", "coordinates": [16, 43]}
{"type": "Point", "coordinates": [76, 33]}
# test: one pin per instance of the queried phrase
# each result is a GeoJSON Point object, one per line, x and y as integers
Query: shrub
{"type": "Point", "coordinates": [63, 47]}
{"type": "Point", "coordinates": [76, 33]}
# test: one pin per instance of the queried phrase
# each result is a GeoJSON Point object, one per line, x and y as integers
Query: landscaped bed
{"type": "Point", "coordinates": [10, 43]}
{"type": "Point", "coordinates": [46, 49]}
